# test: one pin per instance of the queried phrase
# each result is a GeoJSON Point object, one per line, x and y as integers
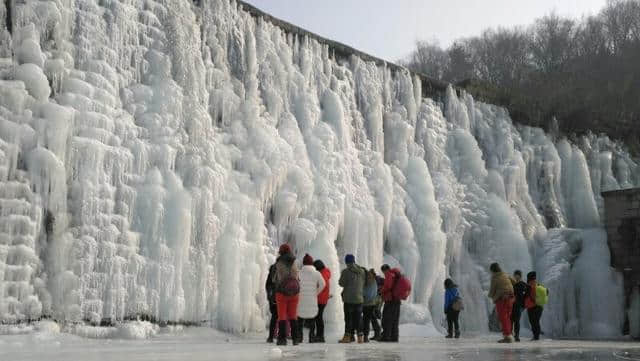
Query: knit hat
{"type": "Point", "coordinates": [284, 249]}
{"type": "Point", "coordinates": [307, 260]}
{"type": "Point", "coordinates": [531, 276]}
{"type": "Point", "coordinates": [348, 259]}
{"type": "Point", "coordinates": [318, 264]}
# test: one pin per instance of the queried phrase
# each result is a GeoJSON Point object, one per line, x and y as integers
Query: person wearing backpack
{"type": "Point", "coordinates": [395, 289]}
{"type": "Point", "coordinates": [311, 284]}
{"type": "Point", "coordinates": [520, 290]}
{"type": "Point", "coordinates": [452, 307]}
{"type": "Point", "coordinates": [352, 280]}
{"type": "Point", "coordinates": [501, 292]}
{"type": "Point", "coordinates": [537, 297]}
{"type": "Point", "coordinates": [371, 301]}
{"type": "Point", "coordinates": [270, 288]}
{"type": "Point", "coordinates": [287, 294]}
{"type": "Point", "coordinates": [323, 299]}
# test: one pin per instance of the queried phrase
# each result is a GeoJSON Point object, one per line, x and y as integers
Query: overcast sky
{"type": "Point", "coordinates": [389, 28]}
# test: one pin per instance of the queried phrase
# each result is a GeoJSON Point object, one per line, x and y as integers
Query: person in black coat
{"type": "Point", "coordinates": [520, 290]}
{"type": "Point", "coordinates": [270, 287]}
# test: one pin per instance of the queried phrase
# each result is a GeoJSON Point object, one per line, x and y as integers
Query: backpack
{"type": "Point", "coordinates": [289, 286]}
{"type": "Point", "coordinates": [542, 295]}
{"type": "Point", "coordinates": [270, 286]}
{"type": "Point", "coordinates": [402, 288]}
{"type": "Point", "coordinates": [458, 305]}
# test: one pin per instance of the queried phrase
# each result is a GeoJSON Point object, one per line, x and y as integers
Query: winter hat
{"type": "Point", "coordinates": [531, 276]}
{"type": "Point", "coordinates": [348, 259]}
{"type": "Point", "coordinates": [307, 260]}
{"type": "Point", "coordinates": [448, 283]}
{"type": "Point", "coordinates": [517, 273]}
{"type": "Point", "coordinates": [318, 264]}
{"type": "Point", "coordinates": [284, 249]}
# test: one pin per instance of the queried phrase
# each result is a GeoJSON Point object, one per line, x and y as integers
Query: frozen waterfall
{"type": "Point", "coordinates": [154, 154]}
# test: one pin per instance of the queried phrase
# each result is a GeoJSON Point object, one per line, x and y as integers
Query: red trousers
{"type": "Point", "coordinates": [504, 306]}
{"type": "Point", "coordinates": [287, 307]}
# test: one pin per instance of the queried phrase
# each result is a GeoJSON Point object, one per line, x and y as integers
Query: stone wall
{"type": "Point", "coordinates": [622, 221]}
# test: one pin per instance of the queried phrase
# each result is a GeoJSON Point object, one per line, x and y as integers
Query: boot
{"type": "Point", "coordinates": [506, 339]}
{"type": "Point", "coordinates": [347, 338]}
{"type": "Point", "coordinates": [360, 339]}
{"type": "Point", "coordinates": [366, 339]}
{"type": "Point", "coordinates": [282, 333]}
{"type": "Point", "coordinates": [312, 334]}
{"type": "Point", "coordinates": [296, 333]}
{"type": "Point", "coordinates": [376, 333]}
{"type": "Point", "coordinates": [457, 333]}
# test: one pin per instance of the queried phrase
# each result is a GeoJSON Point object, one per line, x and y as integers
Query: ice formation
{"type": "Point", "coordinates": [154, 154]}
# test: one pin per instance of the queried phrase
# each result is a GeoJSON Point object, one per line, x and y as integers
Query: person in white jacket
{"type": "Point", "coordinates": [311, 284]}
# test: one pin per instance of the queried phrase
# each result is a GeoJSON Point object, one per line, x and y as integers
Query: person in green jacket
{"type": "Point", "coordinates": [352, 280]}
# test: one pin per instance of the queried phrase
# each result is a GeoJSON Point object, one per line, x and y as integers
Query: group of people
{"type": "Point", "coordinates": [511, 296]}
{"type": "Point", "coordinates": [298, 297]}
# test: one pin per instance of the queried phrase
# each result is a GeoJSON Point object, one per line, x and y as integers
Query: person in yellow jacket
{"type": "Point", "coordinates": [501, 292]}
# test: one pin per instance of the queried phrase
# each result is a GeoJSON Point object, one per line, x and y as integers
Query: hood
{"type": "Point", "coordinates": [355, 268]}
{"type": "Point", "coordinates": [308, 268]}
{"type": "Point", "coordinates": [287, 259]}
{"type": "Point", "coordinates": [499, 275]}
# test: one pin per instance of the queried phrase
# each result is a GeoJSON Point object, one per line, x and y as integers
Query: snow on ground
{"type": "Point", "coordinates": [155, 154]}
{"type": "Point", "coordinates": [200, 343]}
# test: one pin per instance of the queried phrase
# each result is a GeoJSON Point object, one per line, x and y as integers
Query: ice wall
{"type": "Point", "coordinates": [154, 154]}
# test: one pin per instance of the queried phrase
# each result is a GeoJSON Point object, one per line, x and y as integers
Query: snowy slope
{"type": "Point", "coordinates": [154, 154]}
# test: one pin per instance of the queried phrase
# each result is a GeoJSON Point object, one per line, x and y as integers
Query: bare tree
{"type": "Point", "coordinates": [428, 58]}
{"type": "Point", "coordinates": [552, 41]}
{"type": "Point", "coordinates": [460, 63]}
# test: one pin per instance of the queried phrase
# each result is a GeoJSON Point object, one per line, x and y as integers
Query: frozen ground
{"type": "Point", "coordinates": [194, 344]}
{"type": "Point", "coordinates": [154, 154]}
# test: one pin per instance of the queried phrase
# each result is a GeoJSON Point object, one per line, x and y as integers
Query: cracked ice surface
{"type": "Point", "coordinates": [154, 154]}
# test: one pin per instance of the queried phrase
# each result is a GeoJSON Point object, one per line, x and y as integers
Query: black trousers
{"type": "Point", "coordinates": [319, 321]}
{"type": "Point", "coordinates": [309, 322]}
{"type": "Point", "coordinates": [452, 322]}
{"type": "Point", "coordinates": [391, 321]}
{"type": "Point", "coordinates": [369, 318]}
{"type": "Point", "coordinates": [535, 314]}
{"type": "Point", "coordinates": [274, 319]}
{"type": "Point", "coordinates": [516, 315]}
{"type": "Point", "coordinates": [353, 319]}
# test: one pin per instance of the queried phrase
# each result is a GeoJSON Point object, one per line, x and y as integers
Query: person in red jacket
{"type": "Point", "coordinates": [323, 299]}
{"type": "Point", "coordinates": [391, 310]}
{"type": "Point", "coordinates": [534, 311]}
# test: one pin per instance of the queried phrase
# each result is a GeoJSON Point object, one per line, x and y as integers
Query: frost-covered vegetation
{"type": "Point", "coordinates": [154, 154]}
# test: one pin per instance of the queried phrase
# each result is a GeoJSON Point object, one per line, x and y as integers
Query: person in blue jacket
{"type": "Point", "coordinates": [451, 295]}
